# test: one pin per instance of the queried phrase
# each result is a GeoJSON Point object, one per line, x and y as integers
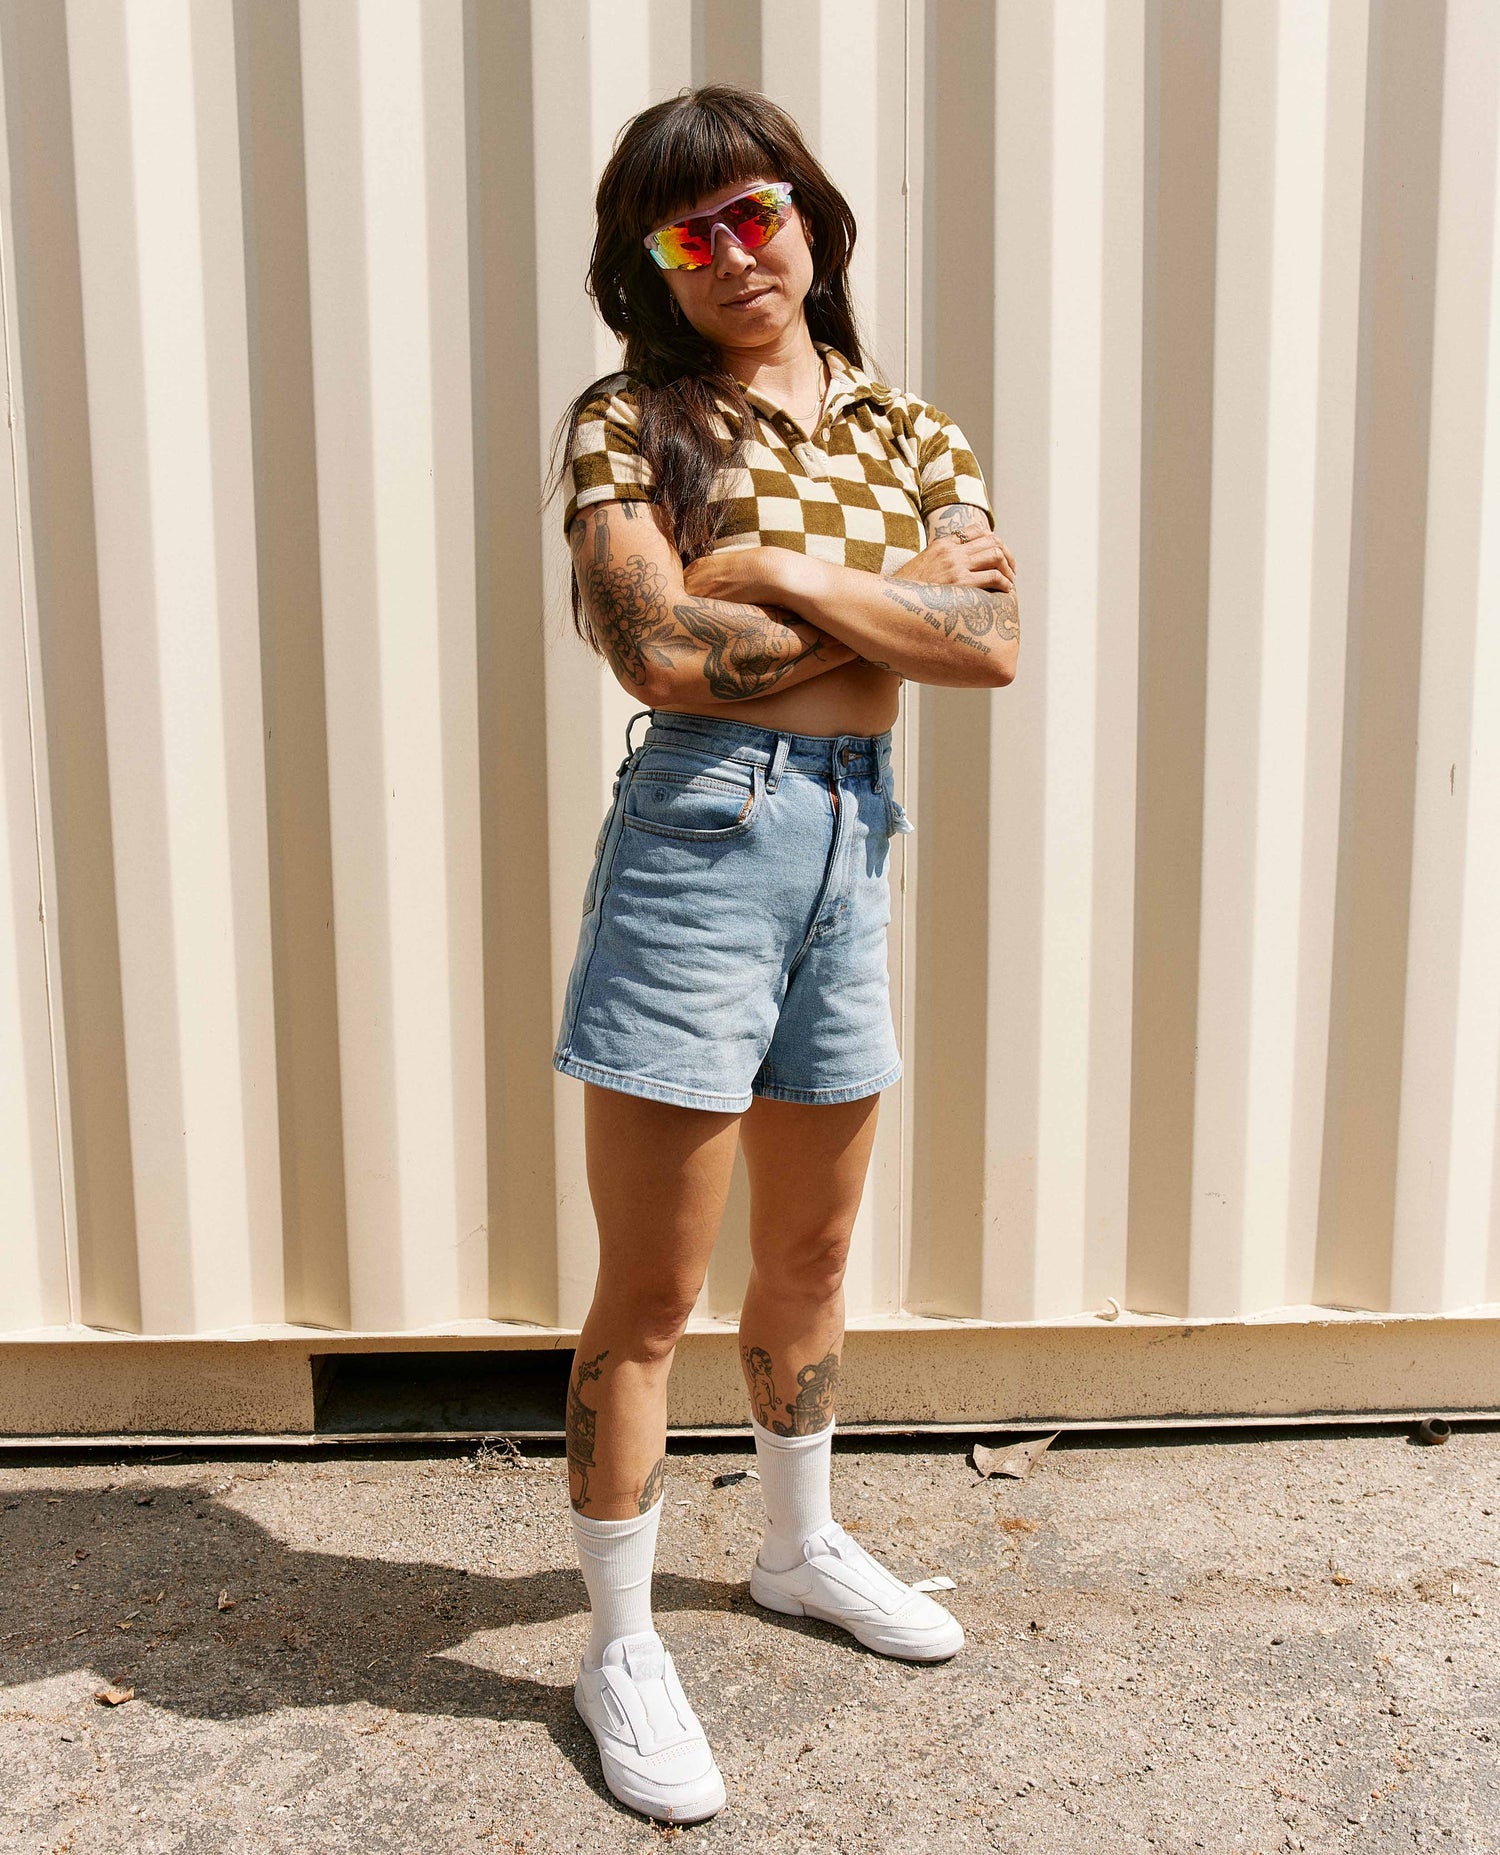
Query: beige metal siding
{"type": "Point", "coordinates": [1196, 950]}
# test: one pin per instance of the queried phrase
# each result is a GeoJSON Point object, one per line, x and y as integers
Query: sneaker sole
{"type": "Point", "coordinates": [771, 1599]}
{"type": "Point", "coordinates": [620, 1788]}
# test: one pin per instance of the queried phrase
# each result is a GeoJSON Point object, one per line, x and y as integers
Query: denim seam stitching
{"type": "Point", "coordinates": [852, 1089]}
{"type": "Point", "coordinates": [630, 1075]}
{"type": "Point", "coordinates": [696, 779]}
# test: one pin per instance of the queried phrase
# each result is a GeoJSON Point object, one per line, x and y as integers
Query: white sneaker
{"type": "Point", "coordinates": [839, 1582]}
{"type": "Point", "coordinates": [654, 1754]}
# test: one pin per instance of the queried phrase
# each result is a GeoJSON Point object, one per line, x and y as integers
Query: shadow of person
{"type": "Point", "coordinates": [303, 1629]}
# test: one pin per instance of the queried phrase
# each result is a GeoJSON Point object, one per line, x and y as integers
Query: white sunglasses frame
{"type": "Point", "coordinates": [783, 187]}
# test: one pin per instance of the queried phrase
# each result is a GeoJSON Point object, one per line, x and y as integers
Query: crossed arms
{"type": "Point", "coordinates": [746, 620]}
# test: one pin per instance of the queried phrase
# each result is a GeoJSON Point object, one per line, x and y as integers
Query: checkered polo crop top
{"type": "Point", "coordinates": [857, 491]}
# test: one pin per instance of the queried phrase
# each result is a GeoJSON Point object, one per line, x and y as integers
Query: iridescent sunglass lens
{"type": "Point", "coordinates": [758, 215]}
{"type": "Point", "coordinates": [688, 245]}
{"type": "Point", "coordinates": [683, 247]}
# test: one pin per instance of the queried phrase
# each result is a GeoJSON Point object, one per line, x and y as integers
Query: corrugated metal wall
{"type": "Point", "coordinates": [1197, 948]}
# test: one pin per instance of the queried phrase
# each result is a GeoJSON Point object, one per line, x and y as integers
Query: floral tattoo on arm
{"type": "Point", "coordinates": [743, 650]}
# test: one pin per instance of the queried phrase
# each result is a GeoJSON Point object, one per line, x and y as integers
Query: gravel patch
{"type": "Point", "coordinates": [1231, 1641]}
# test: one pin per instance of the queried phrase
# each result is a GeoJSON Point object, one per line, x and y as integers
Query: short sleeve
{"type": "Point", "coordinates": [948, 471]}
{"type": "Point", "coordinates": [604, 459]}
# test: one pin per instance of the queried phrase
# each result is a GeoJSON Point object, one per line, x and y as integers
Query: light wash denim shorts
{"type": "Point", "coordinates": [733, 940]}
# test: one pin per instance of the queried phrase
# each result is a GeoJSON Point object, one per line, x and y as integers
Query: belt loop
{"type": "Point", "coordinates": [778, 760]}
{"type": "Point", "coordinates": [883, 759]}
{"type": "Point", "coordinates": [629, 750]}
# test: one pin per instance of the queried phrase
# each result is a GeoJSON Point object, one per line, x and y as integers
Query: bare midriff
{"type": "Point", "coordinates": [855, 698]}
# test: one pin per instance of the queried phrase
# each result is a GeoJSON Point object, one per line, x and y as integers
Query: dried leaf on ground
{"type": "Point", "coordinates": [1017, 1461]}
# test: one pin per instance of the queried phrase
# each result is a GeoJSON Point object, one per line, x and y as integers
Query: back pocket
{"type": "Point", "coordinates": [693, 793]}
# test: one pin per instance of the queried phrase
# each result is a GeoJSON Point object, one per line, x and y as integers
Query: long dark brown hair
{"type": "Point", "coordinates": [664, 160]}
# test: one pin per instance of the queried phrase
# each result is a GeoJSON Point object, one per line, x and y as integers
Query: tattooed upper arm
{"type": "Point", "coordinates": [629, 577]}
{"type": "Point", "coordinates": [954, 518]}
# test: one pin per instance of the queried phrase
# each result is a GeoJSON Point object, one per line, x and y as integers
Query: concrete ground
{"type": "Point", "coordinates": [1221, 1641]}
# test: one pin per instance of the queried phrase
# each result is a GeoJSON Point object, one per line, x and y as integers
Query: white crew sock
{"type": "Point", "coordinates": [617, 1557]}
{"type": "Point", "coordinates": [794, 1478]}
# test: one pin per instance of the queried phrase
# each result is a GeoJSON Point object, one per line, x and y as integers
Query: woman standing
{"type": "Point", "coordinates": [766, 542]}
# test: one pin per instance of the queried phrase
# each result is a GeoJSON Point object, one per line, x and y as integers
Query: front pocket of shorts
{"type": "Point", "coordinates": [671, 797]}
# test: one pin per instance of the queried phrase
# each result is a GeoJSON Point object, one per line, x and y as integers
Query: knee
{"type": "Point", "coordinates": [649, 1320]}
{"type": "Point", "coordinates": [809, 1270]}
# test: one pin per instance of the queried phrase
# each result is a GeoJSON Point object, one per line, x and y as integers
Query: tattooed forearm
{"type": "Point", "coordinates": [946, 607]}
{"type": "Point", "coordinates": [579, 1426]}
{"type": "Point", "coordinates": [810, 1409]}
{"type": "Point", "coordinates": [646, 626]}
{"type": "Point", "coordinates": [747, 651]}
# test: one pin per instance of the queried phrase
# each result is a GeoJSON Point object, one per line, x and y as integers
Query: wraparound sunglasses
{"type": "Point", "coordinates": [752, 217]}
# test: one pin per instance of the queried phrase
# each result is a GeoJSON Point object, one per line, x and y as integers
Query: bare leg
{"type": "Point", "coordinates": [658, 1178]}
{"type": "Point", "coordinates": [807, 1167]}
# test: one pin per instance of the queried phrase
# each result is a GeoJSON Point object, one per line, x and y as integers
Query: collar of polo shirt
{"type": "Point", "coordinates": [849, 384]}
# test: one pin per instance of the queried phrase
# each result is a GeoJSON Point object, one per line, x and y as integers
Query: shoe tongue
{"type": "Point", "coordinates": [643, 1654]}
{"type": "Point", "coordinates": [828, 1539]}
{"type": "Point", "coordinates": [644, 1658]}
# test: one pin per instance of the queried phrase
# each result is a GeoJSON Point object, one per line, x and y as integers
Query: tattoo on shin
{"type": "Point", "coordinates": [812, 1405]}
{"type": "Point", "coordinates": [579, 1426]}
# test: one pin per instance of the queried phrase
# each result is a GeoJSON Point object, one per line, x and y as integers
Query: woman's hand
{"type": "Point", "coordinates": [972, 557]}
{"type": "Point", "coordinates": [758, 575]}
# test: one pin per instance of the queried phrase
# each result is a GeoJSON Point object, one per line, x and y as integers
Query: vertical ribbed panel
{"type": "Point", "coordinates": [384, 121]}
{"type": "Point", "coordinates": [599, 57]}
{"type": "Point", "coordinates": [161, 266]}
{"type": "Point", "coordinates": [34, 1286]}
{"type": "Point", "coordinates": [1286, 330]}
{"type": "Point", "coordinates": [1195, 953]}
{"type": "Point", "coordinates": [1446, 1246]}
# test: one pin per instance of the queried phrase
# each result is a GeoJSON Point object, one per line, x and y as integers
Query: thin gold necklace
{"type": "Point", "coordinates": [817, 417]}
{"type": "Point", "coordinates": [827, 389]}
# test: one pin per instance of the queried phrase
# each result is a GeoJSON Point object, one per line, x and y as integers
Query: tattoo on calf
{"type": "Point", "coordinates": [580, 1424]}
{"type": "Point", "coordinates": [652, 1486]}
{"type": "Point", "coordinates": [811, 1409]}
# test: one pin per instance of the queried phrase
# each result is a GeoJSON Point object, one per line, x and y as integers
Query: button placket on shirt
{"type": "Point", "coordinates": [849, 397]}
{"type": "Point", "coordinates": [813, 460]}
